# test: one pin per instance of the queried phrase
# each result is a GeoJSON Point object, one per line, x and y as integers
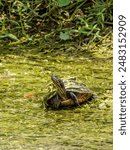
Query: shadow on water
{"type": "Point", "coordinates": [25, 77]}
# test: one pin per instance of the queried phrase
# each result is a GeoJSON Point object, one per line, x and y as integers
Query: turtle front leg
{"type": "Point", "coordinates": [56, 102]}
{"type": "Point", "coordinates": [74, 98]}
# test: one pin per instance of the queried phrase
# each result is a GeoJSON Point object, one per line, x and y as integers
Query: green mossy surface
{"type": "Point", "coordinates": [24, 77]}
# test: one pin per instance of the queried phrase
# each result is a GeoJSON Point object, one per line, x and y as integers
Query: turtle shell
{"type": "Point", "coordinates": [80, 90]}
{"type": "Point", "coordinates": [82, 98]}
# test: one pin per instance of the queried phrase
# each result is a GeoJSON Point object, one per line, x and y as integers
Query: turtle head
{"type": "Point", "coordinates": [59, 84]}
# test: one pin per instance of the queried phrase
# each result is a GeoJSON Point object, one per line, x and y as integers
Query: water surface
{"type": "Point", "coordinates": [24, 81]}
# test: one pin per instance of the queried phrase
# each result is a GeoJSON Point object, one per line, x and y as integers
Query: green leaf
{"type": "Point", "coordinates": [63, 3]}
{"type": "Point", "coordinates": [8, 35]}
{"type": "Point", "coordinates": [64, 36]}
{"type": "Point", "coordinates": [12, 37]}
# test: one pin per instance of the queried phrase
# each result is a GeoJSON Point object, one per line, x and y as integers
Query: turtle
{"type": "Point", "coordinates": [67, 93]}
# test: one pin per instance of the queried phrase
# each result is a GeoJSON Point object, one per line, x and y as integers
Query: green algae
{"type": "Point", "coordinates": [24, 79]}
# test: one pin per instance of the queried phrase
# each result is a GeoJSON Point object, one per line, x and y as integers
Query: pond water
{"type": "Point", "coordinates": [24, 122]}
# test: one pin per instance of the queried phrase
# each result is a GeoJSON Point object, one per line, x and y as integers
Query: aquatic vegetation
{"type": "Point", "coordinates": [24, 77]}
